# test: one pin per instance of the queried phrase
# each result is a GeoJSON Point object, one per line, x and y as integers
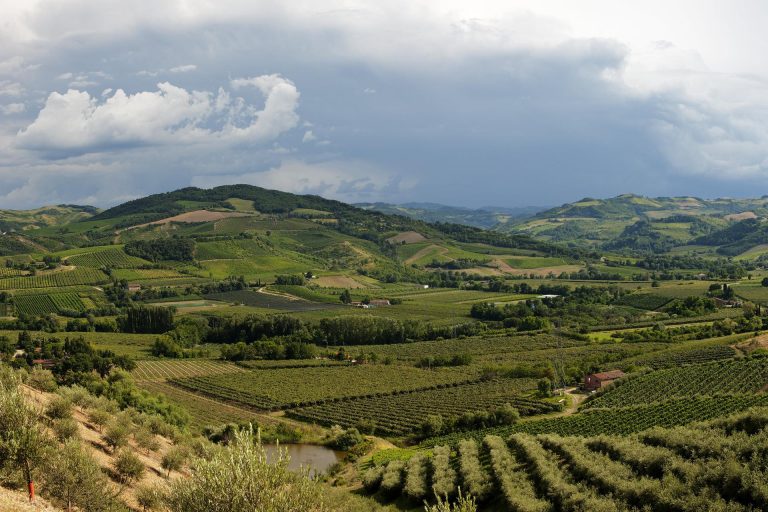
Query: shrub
{"type": "Point", "coordinates": [59, 408]}
{"type": "Point", "coordinates": [128, 467]}
{"type": "Point", "coordinates": [65, 428]}
{"type": "Point", "coordinates": [238, 479]}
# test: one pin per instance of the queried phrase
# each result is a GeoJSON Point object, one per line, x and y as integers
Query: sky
{"type": "Point", "coordinates": [506, 103]}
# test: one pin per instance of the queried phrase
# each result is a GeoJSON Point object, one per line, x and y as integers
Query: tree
{"type": "Point", "coordinates": [99, 417]}
{"type": "Point", "coordinates": [345, 297]}
{"type": "Point", "coordinates": [238, 478]}
{"type": "Point", "coordinates": [545, 387]}
{"type": "Point", "coordinates": [148, 498]}
{"type": "Point", "coordinates": [22, 442]}
{"type": "Point", "coordinates": [173, 460]}
{"type": "Point", "coordinates": [128, 468]}
{"type": "Point", "coordinates": [116, 435]}
{"type": "Point", "coordinates": [74, 479]}
{"type": "Point", "coordinates": [464, 503]}
{"type": "Point", "coordinates": [764, 282]}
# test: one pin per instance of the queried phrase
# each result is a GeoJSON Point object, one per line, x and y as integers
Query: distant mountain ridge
{"type": "Point", "coordinates": [486, 217]}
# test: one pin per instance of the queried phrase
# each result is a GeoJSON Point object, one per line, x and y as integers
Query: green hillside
{"type": "Point", "coordinates": [639, 224]}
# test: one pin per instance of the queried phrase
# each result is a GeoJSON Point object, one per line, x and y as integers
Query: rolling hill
{"type": "Point", "coordinates": [486, 217]}
{"type": "Point", "coordinates": [635, 223]}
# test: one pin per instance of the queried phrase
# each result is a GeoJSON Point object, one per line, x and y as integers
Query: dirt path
{"type": "Point", "coordinates": [577, 399]}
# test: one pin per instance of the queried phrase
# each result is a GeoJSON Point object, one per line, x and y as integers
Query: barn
{"type": "Point", "coordinates": [595, 381]}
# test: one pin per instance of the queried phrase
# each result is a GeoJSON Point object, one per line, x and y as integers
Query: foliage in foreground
{"type": "Point", "coordinates": [239, 479]}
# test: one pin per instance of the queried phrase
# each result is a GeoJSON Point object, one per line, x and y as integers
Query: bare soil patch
{"type": "Point", "coordinates": [193, 217]}
{"type": "Point", "coordinates": [741, 216]}
{"type": "Point", "coordinates": [337, 282]}
{"type": "Point", "coordinates": [409, 237]}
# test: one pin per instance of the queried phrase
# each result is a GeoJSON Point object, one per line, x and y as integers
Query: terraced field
{"type": "Point", "coordinates": [113, 258]}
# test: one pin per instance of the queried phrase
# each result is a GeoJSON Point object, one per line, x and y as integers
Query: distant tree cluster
{"type": "Point", "coordinates": [178, 249]}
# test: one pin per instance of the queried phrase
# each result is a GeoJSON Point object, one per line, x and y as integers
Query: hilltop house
{"type": "Point", "coordinates": [595, 381]}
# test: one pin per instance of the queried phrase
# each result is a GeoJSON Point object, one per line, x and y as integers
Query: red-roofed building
{"type": "Point", "coordinates": [595, 381]}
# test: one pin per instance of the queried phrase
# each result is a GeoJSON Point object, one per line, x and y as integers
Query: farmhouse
{"type": "Point", "coordinates": [379, 302]}
{"type": "Point", "coordinates": [46, 364]}
{"type": "Point", "coordinates": [595, 381]}
{"type": "Point", "coordinates": [133, 288]}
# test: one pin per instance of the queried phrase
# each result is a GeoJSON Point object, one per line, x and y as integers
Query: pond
{"type": "Point", "coordinates": [318, 458]}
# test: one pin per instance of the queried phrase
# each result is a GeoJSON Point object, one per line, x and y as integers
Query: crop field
{"type": "Point", "coordinates": [752, 291]}
{"type": "Point", "coordinates": [114, 258]}
{"type": "Point", "coordinates": [44, 304]}
{"type": "Point", "coordinates": [532, 262]}
{"type": "Point", "coordinates": [293, 387]}
{"type": "Point", "coordinates": [656, 471]}
{"type": "Point", "coordinates": [10, 272]}
{"type": "Point", "coordinates": [720, 377]}
{"type": "Point", "coordinates": [78, 276]}
{"type": "Point", "coordinates": [145, 274]}
{"type": "Point", "coordinates": [400, 414]}
{"type": "Point", "coordinates": [690, 353]}
{"type": "Point", "coordinates": [623, 420]}
{"type": "Point", "coordinates": [269, 301]}
{"type": "Point", "coordinates": [170, 369]}
{"type": "Point", "coordinates": [132, 345]}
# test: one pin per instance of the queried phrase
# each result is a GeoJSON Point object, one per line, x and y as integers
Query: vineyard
{"type": "Point", "coordinates": [293, 387]}
{"type": "Point", "coordinates": [622, 421]}
{"type": "Point", "coordinates": [721, 377]}
{"type": "Point", "coordinates": [165, 370]}
{"type": "Point", "coordinates": [113, 258]}
{"type": "Point", "coordinates": [705, 467]}
{"type": "Point", "coordinates": [141, 274]}
{"type": "Point", "coordinates": [678, 356]}
{"type": "Point", "coordinates": [78, 276]}
{"type": "Point", "coordinates": [45, 304]}
{"type": "Point", "coordinates": [10, 272]}
{"type": "Point", "coordinates": [268, 301]}
{"type": "Point", "coordinates": [400, 414]}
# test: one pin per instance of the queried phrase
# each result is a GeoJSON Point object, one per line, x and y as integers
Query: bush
{"type": "Point", "coordinates": [238, 478]}
{"type": "Point", "coordinates": [59, 408]}
{"type": "Point", "coordinates": [128, 467]}
{"type": "Point", "coordinates": [74, 479]}
{"type": "Point", "coordinates": [66, 428]}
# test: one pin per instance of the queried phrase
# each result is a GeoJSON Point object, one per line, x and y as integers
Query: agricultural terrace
{"type": "Point", "coordinates": [291, 387]}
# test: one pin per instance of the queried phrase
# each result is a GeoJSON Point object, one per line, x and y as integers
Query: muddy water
{"type": "Point", "coordinates": [317, 458]}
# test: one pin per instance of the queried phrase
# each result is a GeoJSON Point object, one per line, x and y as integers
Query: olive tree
{"type": "Point", "coordinates": [238, 478]}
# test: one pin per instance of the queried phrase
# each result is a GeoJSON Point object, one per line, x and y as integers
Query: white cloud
{"type": "Point", "coordinates": [186, 68]}
{"type": "Point", "coordinates": [170, 115]}
{"type": "Point", "coordinates": [347, 180]}
{"type": "Point", "coordinates": [8, 88]}
{"type": "Point", "coordinates": [14, 65]}
{"type": "Point", "coordinates": [308, 136]}
{"type": "Point", "coordinates": [12, 108]}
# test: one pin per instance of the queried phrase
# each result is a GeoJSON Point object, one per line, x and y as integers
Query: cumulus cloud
{"type": "Point", "coordinates": [170, 115]}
